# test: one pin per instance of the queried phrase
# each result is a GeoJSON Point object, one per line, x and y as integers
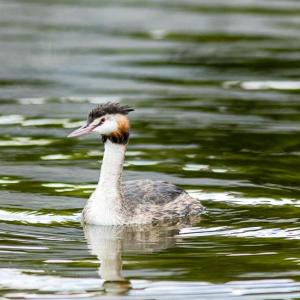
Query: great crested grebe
{"type": "Point", "coordinates": [131, 202]}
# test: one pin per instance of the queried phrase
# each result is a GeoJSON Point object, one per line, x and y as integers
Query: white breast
{"type": "Point", "coordinates": [101, 209]}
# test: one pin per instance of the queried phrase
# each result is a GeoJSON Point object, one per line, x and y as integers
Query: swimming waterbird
{"type": "Point", "coordinates": [133, 202]}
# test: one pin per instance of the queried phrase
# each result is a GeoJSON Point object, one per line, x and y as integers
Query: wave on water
{"type": "Point", "coordinates": [37, 218]}
{"type": "Point", "coordinates": [264, 85]}
{"type": "Point", "coordinates": [13, 279]}
{"type": "Point", "coordinates": [238, 198]}
{"type": "Point", "coordinates": [246, 232]}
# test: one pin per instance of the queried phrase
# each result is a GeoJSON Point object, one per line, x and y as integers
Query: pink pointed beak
{"type": "Point", "coordinates": [81, 131]}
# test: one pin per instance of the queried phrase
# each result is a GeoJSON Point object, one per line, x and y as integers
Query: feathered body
{"type": "Point", "coordinates": [132, 202]}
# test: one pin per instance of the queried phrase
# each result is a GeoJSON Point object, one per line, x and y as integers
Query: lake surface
{"type": "Point", "coordinates": [216, 89]}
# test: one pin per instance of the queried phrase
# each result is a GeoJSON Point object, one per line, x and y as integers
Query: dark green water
{"type": "Point", "coordinates": [216, 89]}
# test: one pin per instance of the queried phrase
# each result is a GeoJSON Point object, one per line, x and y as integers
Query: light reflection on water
{"type": "Point", "coordinates": [216, 91]}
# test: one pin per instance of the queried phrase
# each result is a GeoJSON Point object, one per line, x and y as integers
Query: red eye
{"type": "Point", "coordinates": [101, 121]}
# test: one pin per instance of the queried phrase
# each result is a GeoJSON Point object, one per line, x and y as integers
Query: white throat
{"type": "Point", "coordinates": [105, 204]}
{"type": "Point", "coordinates": [112, 167]}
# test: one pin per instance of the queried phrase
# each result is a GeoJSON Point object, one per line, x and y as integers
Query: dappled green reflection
{"type": "Point", "coordinates": [215, 85]}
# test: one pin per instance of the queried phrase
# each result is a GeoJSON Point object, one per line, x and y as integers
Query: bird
{"type": "Point", "coordinates": [115, 202]}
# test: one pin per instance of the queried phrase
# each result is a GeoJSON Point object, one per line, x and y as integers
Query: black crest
{"type": "Point", "coordinates": [108, 108]}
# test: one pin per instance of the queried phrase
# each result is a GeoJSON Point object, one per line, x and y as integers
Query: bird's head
{"type": "Point", "coordinates": [109, 120]}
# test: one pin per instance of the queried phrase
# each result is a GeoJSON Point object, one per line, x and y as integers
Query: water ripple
{"type": "Point", "coordinates": [264, 85]}
{"type": "Point", "coordinates": [240, 199]}
{"type": "Point", "coordinates": [27, 279]}
{"type": "Point", "coordinates": [215, 85]}
{"type": "Point", "coordinates": [25, 141]}
{"type": "Point", "coordinates": [34, 217]}
{"type": "Point", "coordinates": [245, 232]}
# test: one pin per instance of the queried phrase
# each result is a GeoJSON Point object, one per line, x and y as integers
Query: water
{"type": "Point", "coordinates": [216, 89]}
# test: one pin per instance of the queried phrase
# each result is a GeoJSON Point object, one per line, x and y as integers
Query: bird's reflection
{"type": "Point", "coordinates": [109, 242]}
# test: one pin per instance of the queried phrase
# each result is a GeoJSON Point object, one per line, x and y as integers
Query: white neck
{"type": "Point", "coordinates": [104, 205]}
{"type": "Point", "coordinates": [112, 167]}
